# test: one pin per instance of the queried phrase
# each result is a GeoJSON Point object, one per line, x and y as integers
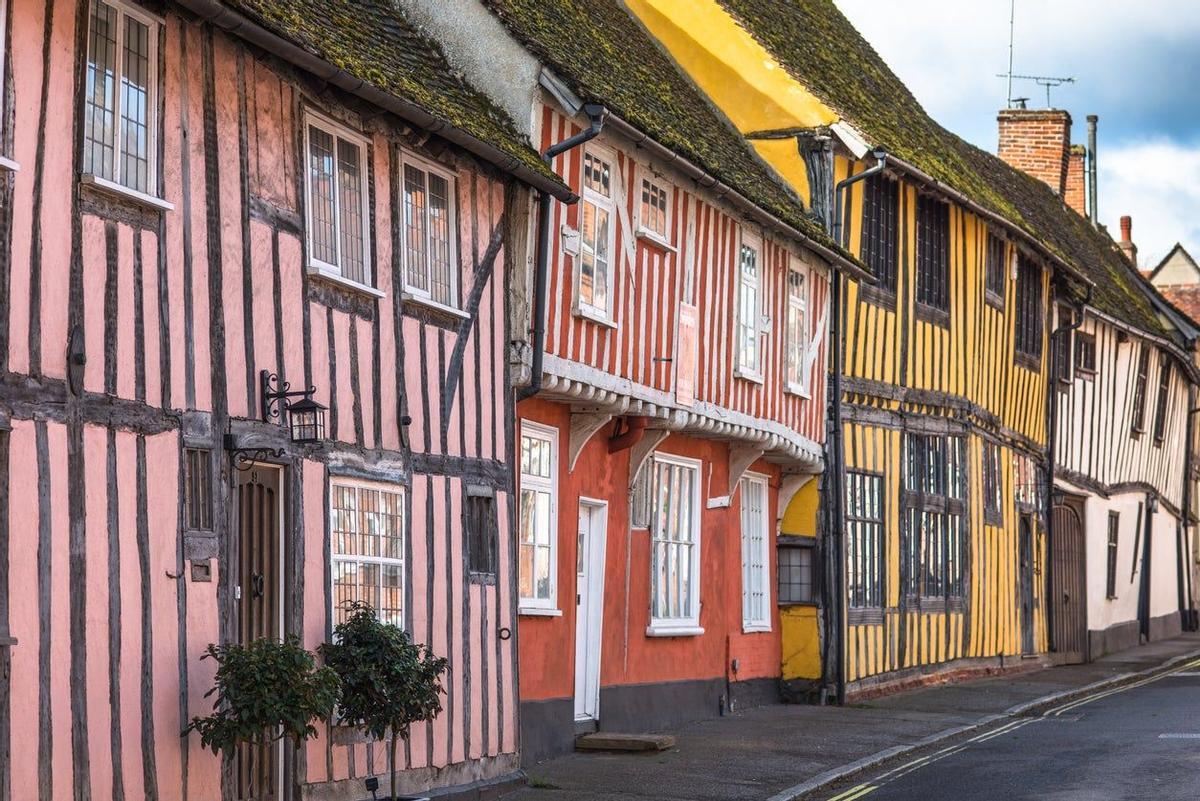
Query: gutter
{"type": "Point", "coordinates": [228, 20]}
{"type": "Point", "coordinates": [988, 214]}
{"type": "Point", "coordinates": [597, 114]}
{"type": "Point", "coordinates": [722, 190]}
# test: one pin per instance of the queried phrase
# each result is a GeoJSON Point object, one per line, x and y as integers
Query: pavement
{"type": "Point", "coordinates": [783, 752]}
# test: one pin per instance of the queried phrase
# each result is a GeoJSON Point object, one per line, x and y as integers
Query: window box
{"type": "Point", "coordinates": [590, 314]}
{"type": "Point", "coordinates": [654, 240]}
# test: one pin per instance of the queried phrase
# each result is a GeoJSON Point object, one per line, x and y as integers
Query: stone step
{"type": "Point", "coordinates": [616, 741]}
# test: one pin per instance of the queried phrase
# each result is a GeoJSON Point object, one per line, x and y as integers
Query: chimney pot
{"type": "Point", "coordinates": [1126, 244]}
{"type": "Point", "coordinates": [1126, 228]}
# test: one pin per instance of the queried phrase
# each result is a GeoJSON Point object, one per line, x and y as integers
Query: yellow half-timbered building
{"type": "Point", "coordinates": [931, 520]}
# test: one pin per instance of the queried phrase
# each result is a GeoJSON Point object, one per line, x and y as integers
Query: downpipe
{"type": "Point", "coordinates": [833, 469]}
{"type": "Point", "coordinates": [596, 114]}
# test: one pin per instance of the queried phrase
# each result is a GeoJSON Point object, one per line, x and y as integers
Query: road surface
{"type": "Point", "coordinates": [1137, 743]}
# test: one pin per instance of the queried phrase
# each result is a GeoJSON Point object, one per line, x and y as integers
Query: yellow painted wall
{"type": "Point", "coordinates": [800, 637]}
{"type": "Point", "coordinates": [801, 642]}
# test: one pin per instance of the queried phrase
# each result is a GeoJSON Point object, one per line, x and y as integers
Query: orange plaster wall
{"type": "Point", "coordinates": [547, 644]}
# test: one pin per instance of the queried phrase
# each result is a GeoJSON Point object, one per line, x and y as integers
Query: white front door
{"type": "Point", "coordinates": [589, 607]}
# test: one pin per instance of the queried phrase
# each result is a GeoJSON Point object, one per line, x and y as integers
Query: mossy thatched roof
{"type": "Point", "coordinates": [606, 56]}
{"type": "Point", "coordinates": [373, 41]}
{"type": "Point", "coordinates": [824, 52]}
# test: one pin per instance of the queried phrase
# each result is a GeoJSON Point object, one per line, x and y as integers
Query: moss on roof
{"type": "Point", "coordinates": [374, 42]}
{"type": "Point", "coordinates": [824, 52]}
{"type": "Point", "coordinates": [606, 56]}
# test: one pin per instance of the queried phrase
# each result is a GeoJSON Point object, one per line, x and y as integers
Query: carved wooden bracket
{"type": "Point", "coordinates": [640, 452]}
{"type": "Point", "coordinates": [584, 426]}
{"type": "Point", "coordinates": [740, 459]}
{"type": "Point", "coordinates": [789, 485]}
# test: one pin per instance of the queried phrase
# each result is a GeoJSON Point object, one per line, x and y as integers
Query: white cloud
{"type": "Point", "coordinates": [1158, 184]}
{"type": "Point", "coordinates": [1134, 66]}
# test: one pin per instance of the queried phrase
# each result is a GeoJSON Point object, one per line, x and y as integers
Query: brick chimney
{"type": "Point", "coordinates": [1037, 141]}
{"type": "Point", "coordinates": [1126, 244]}
{"type": "Point", "coordinates": [1075, 193]}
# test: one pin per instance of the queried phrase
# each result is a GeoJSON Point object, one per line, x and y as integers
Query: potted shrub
{"type": "Point", "coordinates": [265, 691]}
{"type": "Point", "coordinates": [388, 681]}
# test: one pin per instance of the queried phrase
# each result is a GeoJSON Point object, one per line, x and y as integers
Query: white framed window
{"type": "Point", "coordinates": [655, 195]}
{"type": "Point", "coordinates": [538, 524]}
{"type": "Point", "coordinates": [749, 307]}
{"type": "Point", "coordinates": [120, 102]}
{"type": "Point", "coordinates": [4, 163]}
{"type": "Point", "coordinates": [797, 332]}
{"type": "Point", "coordinates": [675, 547]}
{"type": "Point", "coordinates": [338, 219]}
{"type": "Point", "coordinates": [597, 237]}
{"type": "Point", "coordinates": [756, 560]}
{"type": "Point", "coordinates": [428, 195]}
{"type": "Point", "coordinates": [367, 549]}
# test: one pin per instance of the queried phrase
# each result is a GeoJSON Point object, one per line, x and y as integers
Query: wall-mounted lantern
{"type": "Point", "coordinates": [306, 417]}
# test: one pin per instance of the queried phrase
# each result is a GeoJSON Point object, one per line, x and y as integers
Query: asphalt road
{"type": "Point", "coordinates": [1140, 743]}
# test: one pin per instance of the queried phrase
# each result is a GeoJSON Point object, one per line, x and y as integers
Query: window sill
{"type": "Point", "coordinates": [671, 630]}
{"type": "Point", "coordinates": [594, 316]}
{"type": "Point", "coordinates": [748, 375]}
{"type": "Point", "coordinates": [538, 611]}
{"type": "Point", "coordinates": [1031, 363]}
{"type": "Point", "coordinates": [757, 628]}
{"type": "Point", "coordinates": [994, 300]}
{"type": "Point", "coordinates": [789, 604]}
{"type": "Point", "coordinates": [864, 616]}
{"type": "Point", "coordinates": [797, 390]}
{"type": "Point", "coordinates": [117, 190]}
{"type": "Point", "coordinates": [8, 165]}
{"type": "Point", "coordinates": [878, 296]}
{"type": "Point", "coordinates": [933, 315]}
{"type": "Point", "coordinates": [326, 274]}
{"type": "Point", "coordinates": [430, 303]}
{"type": "Point", "coordinates": [650, 237]}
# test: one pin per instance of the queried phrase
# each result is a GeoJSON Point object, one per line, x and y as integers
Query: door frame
{"type": "Point", "coordinates": [1076, 504]}
{"type": "Point", "coordinates": [284, 789]}
{"type": "Point", "coordinates": [1027, 547]}
{"type": "Point", "coordinates": [595, 561]}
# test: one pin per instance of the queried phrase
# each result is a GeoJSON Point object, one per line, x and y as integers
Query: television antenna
{"type": "Point", "coordinates": [1047, 81]}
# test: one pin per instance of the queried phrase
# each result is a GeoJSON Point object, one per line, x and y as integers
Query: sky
{"type": "Point", "coordinates": [1135, 64]}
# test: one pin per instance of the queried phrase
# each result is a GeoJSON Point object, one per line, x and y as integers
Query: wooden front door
{"type": "Point", "coordinates": [589, 607]}
{"type": "Point", "coordinates": [259, 597]}
{"type": "Point", "coordinates": [1068, 590]}
{"type": "Point", "coordinates": [1025, 546]}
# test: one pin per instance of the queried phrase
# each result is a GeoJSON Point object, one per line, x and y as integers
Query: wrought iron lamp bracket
{"type": "Point", "coordinates": [244, 459]}
{"type": "Point", "coordinates": [273, 394]}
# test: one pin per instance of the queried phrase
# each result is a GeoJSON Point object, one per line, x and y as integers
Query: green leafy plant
{"type": "Point", "coordinates": [388, 681]}
{"type": "Point", "coordinates": [265, 691]}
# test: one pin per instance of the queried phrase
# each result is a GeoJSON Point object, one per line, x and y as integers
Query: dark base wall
{"type": "Point", "coordinates": [1125, 635]}
{"type": "Point", "coordinates": [548, 727]}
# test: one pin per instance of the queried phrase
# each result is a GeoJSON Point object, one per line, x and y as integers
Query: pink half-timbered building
{"type": "Point", "coordinates": [202, 202]}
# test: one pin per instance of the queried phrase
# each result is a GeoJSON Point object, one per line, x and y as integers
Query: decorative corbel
{"type": "Point", "coordinates": [789, 485]}
{"type": "Point", "coordinates": [584, 425]}
{"type": "Point", "coordinates": [741, 456]}
{"type": "Point", "coordinates": [641, 451]}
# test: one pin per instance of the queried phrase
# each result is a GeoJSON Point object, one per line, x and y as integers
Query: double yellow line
{"type": "Point", "coordinates": [855, 792]}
